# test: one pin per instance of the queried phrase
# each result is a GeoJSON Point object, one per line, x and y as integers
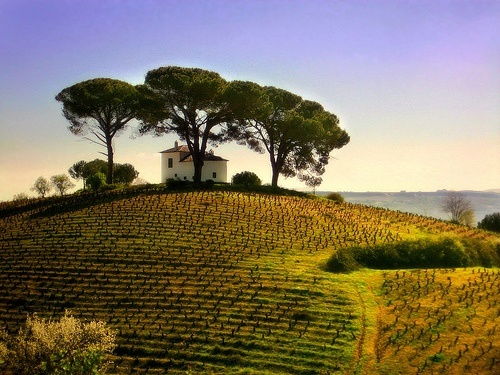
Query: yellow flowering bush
{"type": "Point", "coordinates": [67, 346]}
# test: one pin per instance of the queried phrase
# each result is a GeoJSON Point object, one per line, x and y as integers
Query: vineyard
{"type": "Point", "coordinates": [213, 282]}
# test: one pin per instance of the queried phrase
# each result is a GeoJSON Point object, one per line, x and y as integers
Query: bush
{"type": "Point", "coordinates": [96, 181]}
{"type": "Point", "coordinates": [246, 179]}
{"type": "Point", "coordinates": [65, 347]}
{"type": "Point", "coordinates": [21, 197]}
{"type": "Point", "coordinates": [490, 222]}
{"type": "Point", "coordinates": [108, 187]}
{"type": "Point", "coordinates": [3, 353]}
{"type": "Point", "coordinates": [444, 252]}
{"type": "Point", "coordinates": [336, 197]}
{"type": "Point", "coordinates": [177, 184]}
{"type": "Point", "coordinates": [342, 262]}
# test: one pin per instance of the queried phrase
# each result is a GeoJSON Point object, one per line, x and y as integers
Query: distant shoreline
{"type": "Point", "coordinates": [422, 202]}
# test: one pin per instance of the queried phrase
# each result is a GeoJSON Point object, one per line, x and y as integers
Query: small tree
{"type": "Point", "coordinates": [246, 178]}
{"type": "Point", "coordinates": [42, 186]}
{"type": "Point", "coordinates": [490, 222]}
{"type": "Point", "coordinates": [77, 171]}
{"type": "Point", "coordinates": [125, 173]}
{"type": "Point", "coordinates": [64, 347]}
{"type": "Point", "coordinates": [459, 207]}
{"type": "Point", "coordinates": [61, 183]}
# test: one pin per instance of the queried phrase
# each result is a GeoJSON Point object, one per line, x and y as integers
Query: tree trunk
{"type": "Point", "coordinates": [276, 168]}
{"type": "Point", "coordinates": [274, 181]}
{"type": "Point", "coordinates": [198, 167]}
{"type": "Point", "coordinates": [109, 176]}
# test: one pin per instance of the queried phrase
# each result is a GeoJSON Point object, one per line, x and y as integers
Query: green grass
{"type": "Point", "coordinates": [234, 282]}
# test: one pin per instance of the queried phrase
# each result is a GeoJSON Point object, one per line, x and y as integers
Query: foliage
{"type": "Point", "coordinates": [125, 173]}
{"type": "Point", "coordinates": [297, 134]}
{"type": "Point", "coordinates": [459, 207]}
{"type": "Point", "coordinates": [67, 346]}
{"type": "Point", "coordinates": [20, 197]}
{"type": "Point", "coordinates": [423, 253]}
{"type": "Point", "coordinates": [176, 184]}
{"type": "Point", "coordinates": [490, 222]}
{"type": "Point", "coordinates": [246, 178]}
{"type": "Point", "coordinates": [3, 349]}
{"type": "Point", "coordinates": [190, 102]}
{"type": "Point", "coordinates": [61, 183]}
{"type": "Point", "coordinates": [336, 197]}
{"type": "Point", "coordinates": [101, 107]}
{"type": "Point", "coordinates": [95, 166]}
{"type": "Point", "coordinates": [96, 181]}
{"type": "Point", "coordinates": [76, 171]}
{"type": "Point", "coordinates": [42, 186]}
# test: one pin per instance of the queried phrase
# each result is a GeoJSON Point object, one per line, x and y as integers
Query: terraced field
{"type": "Point", "coordinates": [226, 282]}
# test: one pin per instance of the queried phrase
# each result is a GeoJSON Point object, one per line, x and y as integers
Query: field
{"type": "Point", "coordinates": [231, 282]}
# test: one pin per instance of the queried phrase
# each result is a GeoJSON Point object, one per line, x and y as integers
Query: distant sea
{"type": "Point", "coordinates": [424, 203]}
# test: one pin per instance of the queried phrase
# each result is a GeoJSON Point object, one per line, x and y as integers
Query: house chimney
{"type": "Point", "coordinates": [176, 145]}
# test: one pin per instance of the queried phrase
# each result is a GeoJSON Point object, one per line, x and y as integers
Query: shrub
{"type": "Point", "coordinates": [96, 181]}
{"type": "Point", "coordinates": [444, 252]}
{"type": "Point", "coordinates": [482, 253]}
{"type": "Point", "coordinates": [64, 347]}
{"type": "Point", "coordinates": [108, 187]}
{"type": "Point", "coordinates": [336, 197]}
{"type": "Point", "coordinates": [20, 197]}
{"type": "Point", "coordinates": [177, 184]}
{"type": "Point", "coordinates": [490, 222]}
{"type": "Point", "coordinates": [342, 262]}
{"type": "Point", "coordinates": [3, 353]}
{"type": "Point", "coordinates": [246, 179]}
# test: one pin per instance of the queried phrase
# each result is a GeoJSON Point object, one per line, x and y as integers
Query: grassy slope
{"type": "Point", "coordinates": [218, 282]}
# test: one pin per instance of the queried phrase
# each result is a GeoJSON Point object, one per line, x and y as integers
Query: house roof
{"type": "Point", "coordinates": [209, 156]}
{"type": "Point", "coordinates": [181, 148]}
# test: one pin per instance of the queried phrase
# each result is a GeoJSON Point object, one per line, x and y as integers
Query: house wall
{"type": "Point", "coordinates": [185, 170]}
{"type": "Point", "coordinates": [219, 167]}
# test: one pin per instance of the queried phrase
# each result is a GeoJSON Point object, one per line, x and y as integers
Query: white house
{"type": "Point", "coordinates": [177, 163]}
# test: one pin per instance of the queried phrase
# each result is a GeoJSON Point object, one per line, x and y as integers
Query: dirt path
{"type": "Point", "coordinates": [365, 356]}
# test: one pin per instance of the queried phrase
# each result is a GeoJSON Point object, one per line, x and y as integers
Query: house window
{"type": "Point", "coordinates": [170, 162]}
{"type": "Point", "coordinates": [214, 174]}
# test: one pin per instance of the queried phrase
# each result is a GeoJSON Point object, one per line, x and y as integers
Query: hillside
{"type": "Point", "coordinates": [226, 282]}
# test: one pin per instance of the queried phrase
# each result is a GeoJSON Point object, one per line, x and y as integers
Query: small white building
{"type": "Point", "coordinates": [177, 163]}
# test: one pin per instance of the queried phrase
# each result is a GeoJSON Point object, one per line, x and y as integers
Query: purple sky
{"type": "Point", "coordinates": [415, 83]}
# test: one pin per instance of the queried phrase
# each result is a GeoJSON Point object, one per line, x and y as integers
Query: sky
{"type": "Point", "coordinates": [416, 84]}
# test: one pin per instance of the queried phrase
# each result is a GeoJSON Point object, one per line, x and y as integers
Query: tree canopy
{"type": "Point", "coordinates": [203, 108]}
{"type": "Point", "coordinates": [122, 173]}
{"type": "Point", "coordinates": [190, 102]}
{"type": "Point", "coordinates": [41, 186]}
{"type": "Point", "coordinates": [101, 107]}
{"type": "Point", "coordinates": [61, 183]}
{"type": "Point", "coordinates": [297, 134]}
